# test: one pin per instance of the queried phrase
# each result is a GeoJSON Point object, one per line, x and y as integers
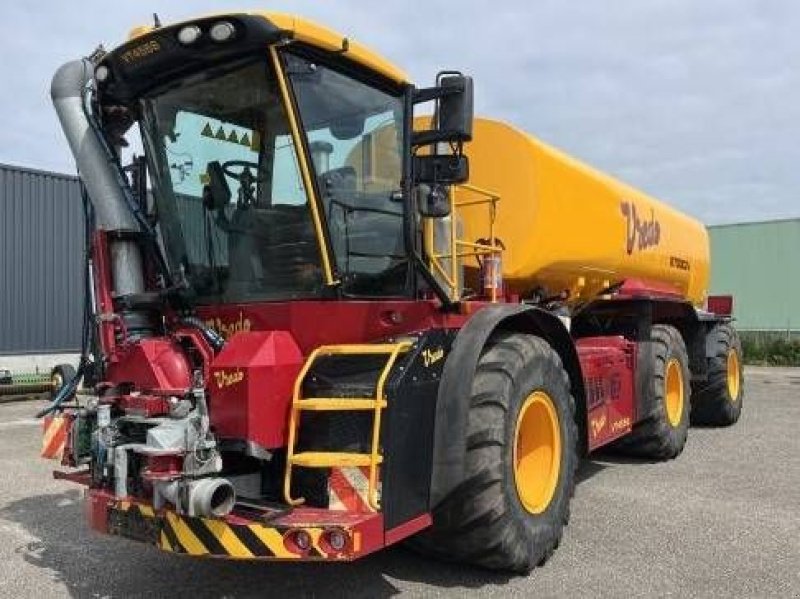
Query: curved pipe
{"type": "Point", "coordinates": [70, 91]}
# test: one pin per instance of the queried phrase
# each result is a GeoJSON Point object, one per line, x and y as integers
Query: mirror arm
{"type": "Point", "coordinates": [430, 136]}
{"type": "Point", "coordinates": [426, 94]}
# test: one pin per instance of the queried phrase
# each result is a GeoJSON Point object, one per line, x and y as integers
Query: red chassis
{"type": "Point", "coordinates": [250, 384]}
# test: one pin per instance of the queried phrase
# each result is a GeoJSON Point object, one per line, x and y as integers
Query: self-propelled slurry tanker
{"type": "Point", "coordinates": [317, 325]}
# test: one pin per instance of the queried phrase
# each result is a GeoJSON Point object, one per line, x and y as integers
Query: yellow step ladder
{"type": "Point", "coordinates": [333, 459]}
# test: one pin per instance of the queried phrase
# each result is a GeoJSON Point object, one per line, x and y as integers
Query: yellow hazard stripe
{"type": "Point", "coordinates": [227, 538]}
{"type": "Point", "coordinates": [185, 536]}
{"type": "Point", "coordinates": [204, 536]}
{"type": "Point", "coordinates": [164, 542]}
{"type": "Point", "coordinates": [273, 540]}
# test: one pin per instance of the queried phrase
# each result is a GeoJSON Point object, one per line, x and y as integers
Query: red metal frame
{"type": "Point", "coordinates": [250, 383]}
{"type": "Point", "coordinates": [364, 532]}
{"type": "Point", "coordinates": [317, 322]}
{"type": "Point", "coordinates": [644, 288]}
{"type": "Point", "coordinates": [721, 305]}
{"type": "Point", "coordinates": [609, 368]}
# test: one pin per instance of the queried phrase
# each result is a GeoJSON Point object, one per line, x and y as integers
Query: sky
{"type": "Point", "coordinates": [694, 102]}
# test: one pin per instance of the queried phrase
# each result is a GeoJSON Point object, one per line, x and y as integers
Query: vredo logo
{"type": "Point", "coordinates": [228, 378]}
{"type": "Point", "coordinates": [640, 234]}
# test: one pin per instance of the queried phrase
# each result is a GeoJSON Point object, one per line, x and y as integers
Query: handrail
{"type": "Point", "coordinates": [490, 199]}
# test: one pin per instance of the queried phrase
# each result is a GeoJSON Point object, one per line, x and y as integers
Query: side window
{"type": "Point", "coordinates": [355, 137]}
{"type": "Point", "coordinates": [374, 155]}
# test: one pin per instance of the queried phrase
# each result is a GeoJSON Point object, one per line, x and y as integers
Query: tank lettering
{"type": "Point", "coordinates": [679, 263]}
{"type": "Point", "coordinates": [640, 234]}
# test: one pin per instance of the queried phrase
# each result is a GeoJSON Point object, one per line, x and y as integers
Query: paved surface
{"type": "Point", "coordinates": [721, 521]}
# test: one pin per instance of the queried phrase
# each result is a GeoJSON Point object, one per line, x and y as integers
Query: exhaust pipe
{"type": "Point", "coordinates": [209, 497]}
{"type": "Point", "coordinates": [70, 91]}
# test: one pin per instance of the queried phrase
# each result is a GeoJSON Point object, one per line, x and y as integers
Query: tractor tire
{"type": "Point", "coordinates": [718, 401]}
{"type": "Point", "coordinates": [522, 440]}
{"type": "Point", "coordinates": [61, 375]}
{"type": "Point", "coordinates": [661, 433]}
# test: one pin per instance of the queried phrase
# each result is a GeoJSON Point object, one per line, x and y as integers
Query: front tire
{"type": "Point", "coordinates": [718, 400]}
{"type": "Point", "coordinates": [510, 511]}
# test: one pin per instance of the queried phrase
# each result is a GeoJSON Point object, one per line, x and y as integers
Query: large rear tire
{"type": "Point", "coordinates": [510, 511]}
{"type": "Point", "coordinates": [661, 433]}
{"type": "Point", "coordinates": [718, 400]}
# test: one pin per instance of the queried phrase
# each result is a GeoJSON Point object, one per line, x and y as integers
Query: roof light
{"type": "Point", "coordinates": [189, 34]}
{"type": "Point", "coordinates": [101, 73]}
{"type": "Point", "coordinates": [222, 31]}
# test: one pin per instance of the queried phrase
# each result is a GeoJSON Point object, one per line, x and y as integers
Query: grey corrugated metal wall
{"type": "Point", "coordinates": [41, 261]}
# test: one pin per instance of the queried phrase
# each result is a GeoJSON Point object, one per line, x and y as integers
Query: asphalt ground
{"type": "Point", "coordinates": [720, 521]}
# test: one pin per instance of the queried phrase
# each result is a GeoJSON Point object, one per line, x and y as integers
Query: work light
{"type": "Point", "coordinates": [189, 34]}
{"type": "Point", "coordinates": [222, 31]}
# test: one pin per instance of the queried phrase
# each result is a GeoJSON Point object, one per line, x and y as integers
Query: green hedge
{"type": "Point", "coordinates": [770, 350]}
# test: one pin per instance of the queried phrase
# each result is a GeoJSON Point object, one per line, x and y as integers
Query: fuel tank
{"type": "Point", "coordinates": [568, 227]}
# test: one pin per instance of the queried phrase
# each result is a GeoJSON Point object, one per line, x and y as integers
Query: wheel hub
{"type": "Point", "coordinates": [673, 392]}
{"type": "Point", "coordinates": [537, 452]}
{"type": "Point", "coordinates": [733, 375]}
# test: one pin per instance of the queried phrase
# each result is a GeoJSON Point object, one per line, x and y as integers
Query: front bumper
{"type": "Point", "coordinates": [237, 536]}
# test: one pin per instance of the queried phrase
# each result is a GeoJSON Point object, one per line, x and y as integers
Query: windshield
{"type": "Point", "coordinates": [355, 138]}
{"type": "Point", "coordinates": [258, 243]}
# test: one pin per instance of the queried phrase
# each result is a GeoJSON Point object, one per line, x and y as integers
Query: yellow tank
{"type": "Point", "coordinates": [567, 226]}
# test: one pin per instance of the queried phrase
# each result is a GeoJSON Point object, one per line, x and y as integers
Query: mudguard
{"type": "Point", "coordinates": [452, 405]}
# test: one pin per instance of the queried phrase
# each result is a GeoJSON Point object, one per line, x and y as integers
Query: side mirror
{"type": "Point", "coordinates": [217, 193]}
{"type": "Point", "coordinates": [455, 113]}
{"type": "Point", "coordinates": [433, 201]}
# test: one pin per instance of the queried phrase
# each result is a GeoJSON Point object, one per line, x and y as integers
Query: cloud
{"type": "Point", "coordinates": [694, 102]}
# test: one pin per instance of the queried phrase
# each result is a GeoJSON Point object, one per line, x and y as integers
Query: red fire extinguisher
{"type": "Point", "coordinates": [492, 270]}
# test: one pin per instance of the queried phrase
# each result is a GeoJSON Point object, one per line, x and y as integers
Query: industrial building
{"type": "Point", "coordinates": [757, 264]}
{"type": "Point", "coordinates": [41, 274]}
{"type": "Point", "coordinates": [41, 265]}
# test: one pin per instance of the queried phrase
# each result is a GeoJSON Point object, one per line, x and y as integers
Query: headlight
{"type": "Point", "coordinates": [189, 34]}
{"type": "Point", "coordinates": [222, 31]}
{"type": "Point", "coordinates": [101, 73]}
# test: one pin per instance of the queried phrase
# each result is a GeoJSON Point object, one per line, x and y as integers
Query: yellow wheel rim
{"type": "Point", "coordinates": [537, 452]}
{"type": "Point", "coordinates": [734, 375]}
{"type": "Point", "coordinates": [57, 381]}
{"type": "Point", "coordinates": [673, 397]}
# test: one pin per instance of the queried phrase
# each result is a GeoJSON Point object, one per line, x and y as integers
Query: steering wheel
{"type": "Point", "coordinates": [244, 165]}
{"type": "Point", "coordinates": [247, 180]}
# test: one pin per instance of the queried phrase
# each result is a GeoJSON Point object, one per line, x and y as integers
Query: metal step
{"type": "Point", "coordinates": [330, 404]}
{"type": "Point", "coordinates": [333, 459]}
